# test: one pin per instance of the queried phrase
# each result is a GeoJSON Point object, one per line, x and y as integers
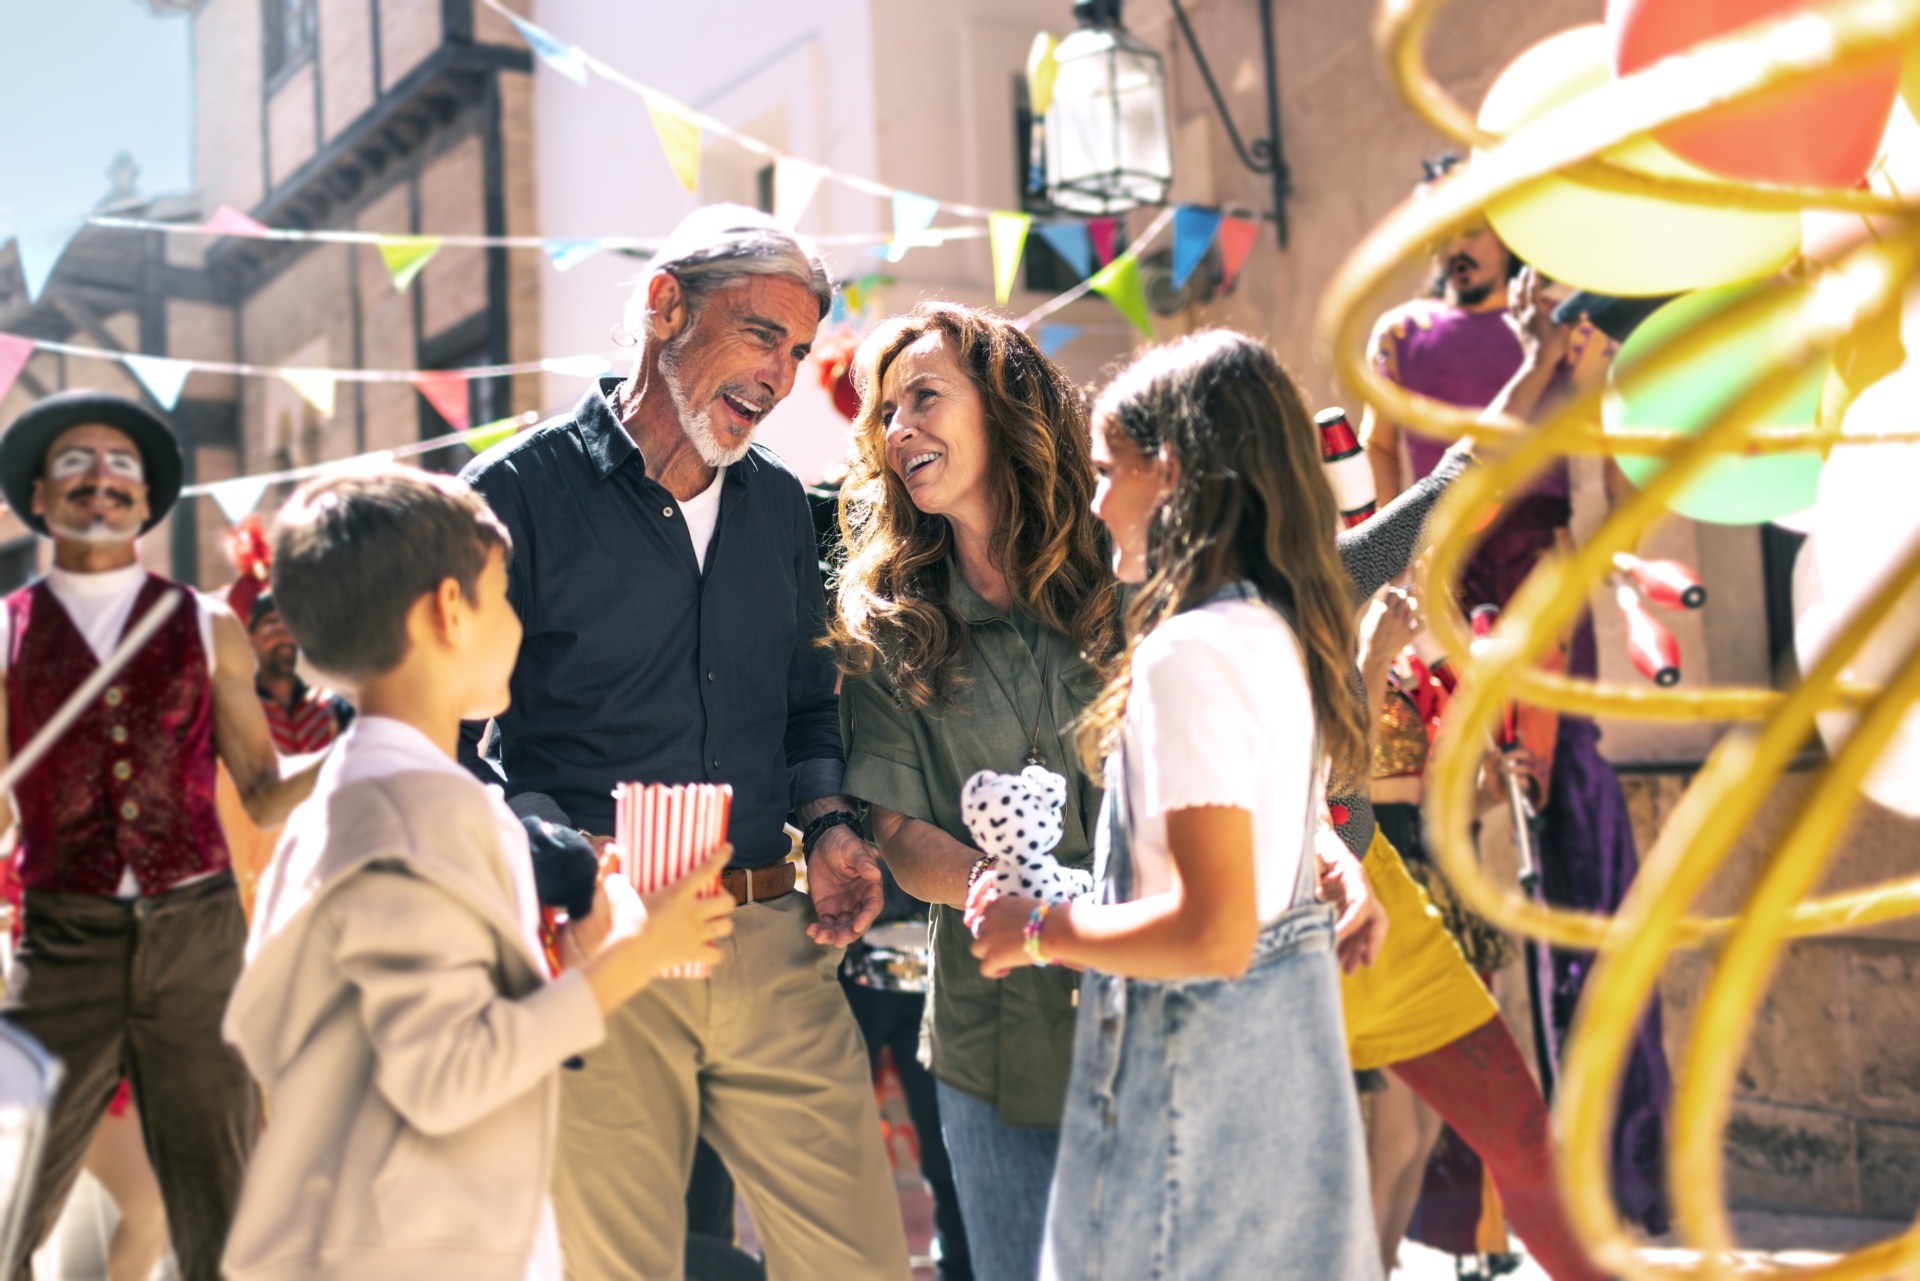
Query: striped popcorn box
{"type": "Point", "coordinates": [665, 830]}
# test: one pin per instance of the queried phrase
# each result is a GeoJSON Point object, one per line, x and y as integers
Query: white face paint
{"type": "Point", "coordinates": [78, 460]}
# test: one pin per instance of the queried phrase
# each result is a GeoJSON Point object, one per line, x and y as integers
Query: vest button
{"type": "Point", "coordinates": [122, 770]}
{"type": "Point", "coordinates": [118, 733]}
{"type": "Point", "coordinates": [129, 811]}
{"type": "Point", "coordinates": [114, 696]}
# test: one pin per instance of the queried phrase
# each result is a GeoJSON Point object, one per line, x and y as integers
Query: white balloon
{"type": "Point", "coordinates": [1865, 521]}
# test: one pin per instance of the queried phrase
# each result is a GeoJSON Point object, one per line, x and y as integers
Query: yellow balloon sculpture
{"type": "Point", "coordinates": [1582, 139]}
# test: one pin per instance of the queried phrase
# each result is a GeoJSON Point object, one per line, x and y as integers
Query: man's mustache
{"type": "Point", "coordinates": [1458, 261]}
{"type": "Point", "coordinates": [87, 493]}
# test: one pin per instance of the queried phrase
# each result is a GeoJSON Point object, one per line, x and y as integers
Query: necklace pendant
{"type": "Point", "coordinates": [1034, 758]}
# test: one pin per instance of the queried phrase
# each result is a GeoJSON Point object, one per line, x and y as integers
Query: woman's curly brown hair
{"type": "Point", "coordinates": [892, 585]}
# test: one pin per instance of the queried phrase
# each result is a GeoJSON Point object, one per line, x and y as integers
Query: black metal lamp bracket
{"type": "Point", "coordinates": [1264, 155]}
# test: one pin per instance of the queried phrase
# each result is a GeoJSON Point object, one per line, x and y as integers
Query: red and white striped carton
{"type": "Point", "coordinates": [666, 830]}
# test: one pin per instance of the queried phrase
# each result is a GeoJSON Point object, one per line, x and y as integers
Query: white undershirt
{"type": "Point", "coordinates": [1220, 715]}
{"type": "Point", "coordinates": [703, 513]}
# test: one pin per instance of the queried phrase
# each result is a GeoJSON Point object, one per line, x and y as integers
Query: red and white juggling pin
{"type": "Point", "coordinates": [1347, 468]}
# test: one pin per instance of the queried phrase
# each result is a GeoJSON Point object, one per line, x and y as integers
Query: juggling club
{"type": "Point", "coordinates": [1666, 583]}
{"type": "Point", "coordinates": [1651, 647]}
{"type": "Point", "coordinates": [1347, 468]}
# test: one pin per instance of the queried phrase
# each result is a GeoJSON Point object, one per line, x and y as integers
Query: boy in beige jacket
{"type": "Point", "coordinates": [396, 1006]}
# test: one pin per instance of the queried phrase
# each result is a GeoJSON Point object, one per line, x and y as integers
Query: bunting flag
{"type": "Point", "coordinates": [1193, 231]}
{"type": "Point", "coordinates": [1119, 283]}
{"type": "Point", "coordinates": [42, 240]}
{"type": "Point", "coordinates": [446, 391]}
{"type": "Point", "coordinates": [406, 256]}
{"type": "Point", "coordinates": [794, 184]}
{"type": "Point", "coordinates": [568, 254]}
{"type": "Point", "coordinates": [912, 215]}
{"type": "Point", "coordinates": [568, 59]}
{"type": "Point", "coordinates": [1100, 231]}
{"type": "Point", "coordinates": [162, 376]}
{"type": "Point", "coordinates": [1070, 241]}
{"type": "Point", "coordinates": [315, 387]}
{"type": "Point", "coordinates": [1054, 337]}
{"type": "Point", "coordinates": [575, 366]}
{"type": "Point", "coordinates": [1042, 66]}
{"type": "Point", "coordinates": [679, 137]}
{"type": "Point", "coordinates": [1236, 242]}
{"type": "Point", "coordinates": [484, 437]}
{"type": "Point", "coordinates": [837, 311]}
{"type": "Point", "coordinates": [228, 221]}
{"type": "Point", "coordinates": [1007, 236]}
{"type": "Point", "coordinates": [14, 355]}
{"type": "Point", "coordinates": [238, 498]}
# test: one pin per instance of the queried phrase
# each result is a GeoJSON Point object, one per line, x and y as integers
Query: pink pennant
{"type": "Point", "coordinates": [446, 392]}
{"type": "Point", "coordinates": [1101, 231]}
{"type": "Point", "coordinates": [1236, 242]}
{"type": "Point", "coordinates": [228, 221]}
{"type": "Point", "coordinates": [14, 354]}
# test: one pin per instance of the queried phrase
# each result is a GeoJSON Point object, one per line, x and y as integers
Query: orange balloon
{"type": "Point", "coordinates": [1823, 132]}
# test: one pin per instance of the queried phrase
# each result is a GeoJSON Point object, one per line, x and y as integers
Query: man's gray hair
{"type": "Point", "coordinates": [720, 245]}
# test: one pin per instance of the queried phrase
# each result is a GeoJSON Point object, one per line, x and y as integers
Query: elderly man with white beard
{"type": "Point", "coordinates": [665, 570]}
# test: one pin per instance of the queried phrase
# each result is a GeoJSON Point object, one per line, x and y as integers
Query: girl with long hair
{"type": "Point", "coordinates": [1209, 1045]}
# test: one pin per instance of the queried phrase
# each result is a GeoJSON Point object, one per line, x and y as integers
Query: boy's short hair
{"type": "Point", "coordinates": [352, 553]}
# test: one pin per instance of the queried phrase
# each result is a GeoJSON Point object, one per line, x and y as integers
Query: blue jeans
{"type": "Point", "coordinates": [1211, 1130]}
{"type": "Point", "coordinates": [1003, 1175]}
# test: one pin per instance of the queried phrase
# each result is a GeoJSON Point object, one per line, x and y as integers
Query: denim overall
{"type": "Point", "coordinates": [1211, 1129]}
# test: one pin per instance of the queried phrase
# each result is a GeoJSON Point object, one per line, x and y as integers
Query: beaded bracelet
{"type": "Point", "coordinates": [1031, 935]}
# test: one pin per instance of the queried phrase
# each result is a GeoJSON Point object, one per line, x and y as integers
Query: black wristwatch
{"type": "Point", "coordinates": [820, 826]}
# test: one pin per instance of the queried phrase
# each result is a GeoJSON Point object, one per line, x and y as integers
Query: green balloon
{"type": "Point", "coordinates": [1731, 490]}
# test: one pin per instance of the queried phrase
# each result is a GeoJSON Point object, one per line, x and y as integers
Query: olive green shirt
{"type": "Point", "coordinates": [1007, 1042]}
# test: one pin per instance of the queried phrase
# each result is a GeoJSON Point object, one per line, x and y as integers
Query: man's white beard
{"type": "Point", "coordinates": [698, 424]}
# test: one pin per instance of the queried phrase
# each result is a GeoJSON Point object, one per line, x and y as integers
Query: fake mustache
{"type": "Point", "coordinates": [87, 493]}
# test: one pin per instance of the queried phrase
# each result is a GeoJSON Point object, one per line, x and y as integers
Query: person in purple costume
{"type": "Point", "coordinates": [1466, 345]}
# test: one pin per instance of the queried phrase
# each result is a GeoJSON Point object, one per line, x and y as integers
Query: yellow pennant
{"type": "Point", "coordinates": [1042, 66]}
{"type": "Point", "coordinates": [315, 388]}
{"type": "Point", "coordinates": [679, 137]}
{"type": "Point", "coordinates": [405, 256]}
{"type": "Point", "coordinates": [1007, 236]}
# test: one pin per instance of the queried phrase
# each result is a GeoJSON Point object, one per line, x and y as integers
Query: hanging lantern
{"type": "Point", "coordinates": [1107, 143]}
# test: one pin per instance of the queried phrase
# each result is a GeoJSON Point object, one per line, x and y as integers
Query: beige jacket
{"type": "Point", "coordinates": [408, 1043]}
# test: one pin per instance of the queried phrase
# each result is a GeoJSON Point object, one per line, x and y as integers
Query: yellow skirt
{"type": "Point", "coordinates": [1420, 993]}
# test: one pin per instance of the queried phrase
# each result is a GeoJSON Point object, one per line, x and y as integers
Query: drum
{"type": "Point", "coordinates": [895, 957]}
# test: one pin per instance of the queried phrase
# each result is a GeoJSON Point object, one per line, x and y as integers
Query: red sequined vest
{"type": "Point", "coordinates": [131, 783]}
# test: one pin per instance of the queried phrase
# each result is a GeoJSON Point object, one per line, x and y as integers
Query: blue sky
{"type": "Point", "coordinates": [83, 80]}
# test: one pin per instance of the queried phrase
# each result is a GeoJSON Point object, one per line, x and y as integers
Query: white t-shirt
{"type": "Point", "coordinates": [380, 747]}
{"type": "Point", "coordinates": [1220, 714]}
{"type": "Point", "coordinates": [703, 513]}
{"type": "Point", "coordinates": [101, 604]}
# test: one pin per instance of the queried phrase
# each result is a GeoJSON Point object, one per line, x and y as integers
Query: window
{"type": "Point", "coordinates": [291, 34]}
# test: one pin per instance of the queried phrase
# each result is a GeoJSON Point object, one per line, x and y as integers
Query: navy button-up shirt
{"type": "Point", "coordinates": [636, 666]}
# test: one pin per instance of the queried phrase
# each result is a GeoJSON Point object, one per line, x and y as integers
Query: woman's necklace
{"type": "Point", "coordinates": [1033, 738]}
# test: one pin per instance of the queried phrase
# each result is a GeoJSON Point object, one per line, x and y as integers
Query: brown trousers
{"type": "Point", "coordinates": [138, 989]}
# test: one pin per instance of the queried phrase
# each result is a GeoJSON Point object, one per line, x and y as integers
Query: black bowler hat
{"type": "Point", "coordinates": [23, 449]}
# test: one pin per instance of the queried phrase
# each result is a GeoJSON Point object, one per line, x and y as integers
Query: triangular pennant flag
{"type": "Point", "coordinates": [1193, 231]}
{"type": "Point", "coordinates": [1042, 66]}
{"type": "Point", "coordinates": [568, 254]}
{"type": "Point", "coordinates": [42, 240]}
{"type": "Point", "coordinates": [912, 214]}
{"type": "Point", "coordinates": [15, 352]}
{"type": "Point", "coordinates": [447, 392]}
{"type": "Point", "coordinates": [568, 59]}
{"type": "Point", "coordinates": [856, 296]}
{"type": "Point", "coordinates": [406, 256]}
{"type": "Point", "coordinates": [794, 185]}
{"type": "Point", "coordinates": [228, 221]}
{"type": "Point", "coordinates": [1119, 283]}
{"type": "Point", "coordinates": [837, 313]}
{"type": "Point", "coordinates": [1007, 235]}
{"type": "Point", "coordinates": [1236, 242]}
{"type": "Point", "coordinates": [484, 437]}
{"type": "Point", "coordinates": [1069, 240]}
{"type": "Point", "coordinates": [577, 366]}
{"type": "Point", "coordinates": [1100, 233]}
{"type": "Point", "coordinates": [315, 387]}
{"type": "Point", "coordinates": [1054, 337]}
{"type": "Point", "coordinates": [162, 376]}
{"type": "Point", "coordinates": [679, 137]}
{"type": "Point", "coordinates": [238, 498]}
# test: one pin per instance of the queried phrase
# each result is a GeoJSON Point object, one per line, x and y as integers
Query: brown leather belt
{"type": "Point", "coordinates": [757, 885]}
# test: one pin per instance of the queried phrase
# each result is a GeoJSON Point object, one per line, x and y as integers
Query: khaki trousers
{"type": "Point", "coordinates": [764, 1060]}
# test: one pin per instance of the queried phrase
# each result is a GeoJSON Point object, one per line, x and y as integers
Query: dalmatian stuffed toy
{"type": "Point", "coordinates": [1016, 818]}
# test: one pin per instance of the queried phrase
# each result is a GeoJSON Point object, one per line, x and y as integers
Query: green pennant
{"type": "Point", "coordinates": [1119, 283]}
{"type": "Point", "coordinates": [1007, 236]}
{"type": "Point", "coordinates": [406, 255]}
{"type": "Point", "coordinates": [484, 437]}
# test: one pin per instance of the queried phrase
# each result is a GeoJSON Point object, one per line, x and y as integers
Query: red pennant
{"type": "Point", "coordinates": [14, 354]}
{"type": "Point", "coordinates": [1236, 242]}
{"type": "Point", "coordinates": [446, 392]}
{"type": "Point", "coordinates": [1100, 231]}
{"type": "Point", "coordinates": [228, 221]}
